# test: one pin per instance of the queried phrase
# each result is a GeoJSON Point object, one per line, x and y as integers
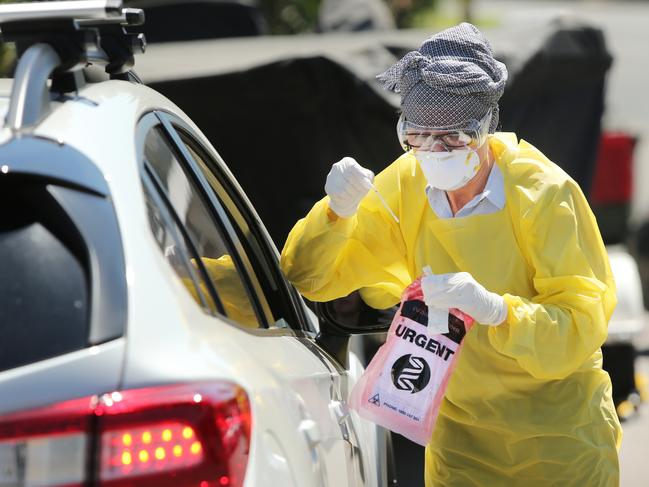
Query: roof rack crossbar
{"type": "Point", "coordinates": [30, 98]}
{"type": "Point", "coordinates": [79, 9]}
{"type": "Point", "coordinates": [59, 39]}
{"type": "Point", "coordinates": [131, 17]}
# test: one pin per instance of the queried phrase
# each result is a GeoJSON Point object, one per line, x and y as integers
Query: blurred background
{"type": "Point", "coordinates": [285, 88]}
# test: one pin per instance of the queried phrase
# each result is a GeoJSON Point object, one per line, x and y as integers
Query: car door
{"type": "Point", "coordinates": [264, 304]}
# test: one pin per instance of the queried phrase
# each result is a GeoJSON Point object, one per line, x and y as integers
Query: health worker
{"type": "Point", "coordinates": [511, 241]}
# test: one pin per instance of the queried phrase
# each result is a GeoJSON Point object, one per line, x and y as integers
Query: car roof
{"type": "Point", "coordinates": [99, 116]}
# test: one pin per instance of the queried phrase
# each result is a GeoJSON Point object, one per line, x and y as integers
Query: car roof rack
{"type": "Point", "coordinates": [58, 39]}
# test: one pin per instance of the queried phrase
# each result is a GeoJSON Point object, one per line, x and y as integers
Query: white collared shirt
{"type": "Point", "coordinates": [490, 200]}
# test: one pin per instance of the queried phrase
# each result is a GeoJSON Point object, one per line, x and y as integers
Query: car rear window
{"type": "Point", "coordinates": [44, 299]}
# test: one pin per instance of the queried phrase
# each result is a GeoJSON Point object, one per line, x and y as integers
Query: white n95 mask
{"type": "Point", "coordinates": [448, 171]}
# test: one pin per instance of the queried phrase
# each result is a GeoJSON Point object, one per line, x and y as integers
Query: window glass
{"type": "Point", "coordinates": [207, 242]}
{"type": "Point", "coordinates": [276, 292]}
{"type": "Point", "coordinates": [44, 288]}
{"type": "Point", "coordinates": [167, 235]}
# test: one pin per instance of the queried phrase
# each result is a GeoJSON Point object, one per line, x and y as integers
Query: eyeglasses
{"type": "Point", "coordinates": [449, 140]}
{"type": "Point", "coordinates": [471, 134]}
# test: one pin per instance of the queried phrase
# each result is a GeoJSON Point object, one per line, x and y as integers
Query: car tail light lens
{"type": "Point", "coordinates": [613, 180]}
{"type": "Point", "coordinates": [128, 452]}
{"type": "Point", "coordinates": [185, 435]}
{"type": "Point", "coordinates": [47, 447]}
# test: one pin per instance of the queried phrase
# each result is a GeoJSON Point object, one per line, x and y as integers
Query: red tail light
{"type": "Point", "coordinates": [188, 435]}
{"type": "Point", "coordinates": [158, 448]}
{"type": "Point", "coordinates": [613, 180]}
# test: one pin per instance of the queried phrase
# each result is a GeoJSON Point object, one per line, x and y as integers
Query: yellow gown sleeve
{"type": "Point", "coordinates": [233, 296]}
{"type": "Point", "coordinates": [552, 334]}
{"type": "Point", "coordinates": [228, 285]}
{"type": "Point", "coordinates": [327, 256]}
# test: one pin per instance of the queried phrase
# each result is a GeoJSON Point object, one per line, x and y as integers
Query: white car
{"type": "Point", "coordinates": [149, 336]}
{"type": "Point", "coordinates": [628, 319]}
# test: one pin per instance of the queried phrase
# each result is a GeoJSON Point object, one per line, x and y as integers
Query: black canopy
{"type": "Point", "coordinates": [280, 122]}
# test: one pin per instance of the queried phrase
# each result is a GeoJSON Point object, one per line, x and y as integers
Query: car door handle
{"type": "Point", "coordinates": [340, 410]}
{"type": "Point", "coordinates": [311, 432]}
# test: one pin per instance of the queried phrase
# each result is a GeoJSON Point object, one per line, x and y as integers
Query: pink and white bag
{"type": "Point", "coordinates": [404, 384]}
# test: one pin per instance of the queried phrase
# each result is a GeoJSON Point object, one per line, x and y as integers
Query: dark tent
{"type": "Point", "coordinates": [555, 99]}
{"type": "Point", "coordinates": [280, 115]}
{"type": "Point", "coordinates": [282, 136]}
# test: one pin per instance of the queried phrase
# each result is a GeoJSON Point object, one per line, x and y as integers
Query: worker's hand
{"type": "Point", "coordinates": [347, 184]}
{"type": "Point", "coordinates": [460, 290]}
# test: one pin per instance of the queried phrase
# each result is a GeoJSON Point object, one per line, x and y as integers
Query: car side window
{"type": "Point", "coordinates": [277, 291]}
{"type": "Point", "coordinates": [173, 246]}
{"type": "Point", "coordinates": [211, 253]}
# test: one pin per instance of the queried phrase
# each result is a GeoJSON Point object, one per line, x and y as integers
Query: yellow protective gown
{"type": "Point", "coordinates": [528, 403]}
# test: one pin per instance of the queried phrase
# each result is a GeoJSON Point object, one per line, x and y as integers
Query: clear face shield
{"type": "Point", "coordinates": [448, 156]}
{"type": "Point", "coordinates": [469, 135]}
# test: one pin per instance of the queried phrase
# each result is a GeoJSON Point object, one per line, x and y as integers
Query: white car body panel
{"type": "Point", "coordinates": [302, 433]}
{"type": "Point", "coordinates": [94, 370]}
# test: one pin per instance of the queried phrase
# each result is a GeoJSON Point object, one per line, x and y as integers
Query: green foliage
{"type": "Point", "coordinates": [7, 59]}
{"type": "Point", "coordinates": [7, 54]}
{"type": "Point", "coordinates": [442, 15]}
{"type": "Point", "coordinates": [290, 16]}
{"type": "Point", "coordinates": [407, 13]}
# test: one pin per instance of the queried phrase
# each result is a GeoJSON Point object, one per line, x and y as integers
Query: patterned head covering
{"type": "Point", "coordinates": [452, 78]}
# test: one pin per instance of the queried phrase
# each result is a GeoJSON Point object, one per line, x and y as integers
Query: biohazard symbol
{"type": "Point", "coordinates": [375, 400]}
